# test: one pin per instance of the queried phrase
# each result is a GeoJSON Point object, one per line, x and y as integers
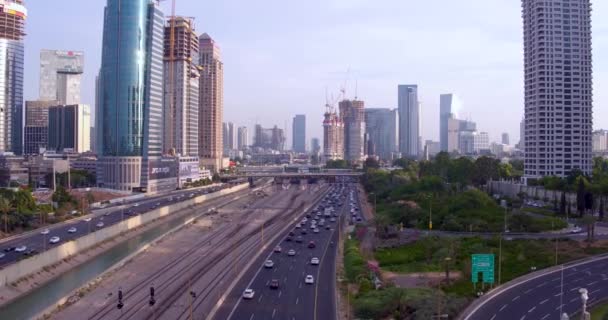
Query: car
{"type": "Point", "coordinates": [576, 230]}
{"type": "Point", "coordinates": [99, 225]}
{"type": "Point", "coordinates": [299, 239]}
{"type": "Point", "coordinates": [304, 220]}
{"type": "Point", "coordinates": [292, 233]}
{"type": "Point", "coordinates": [298, 226]}
{"type": "Point", "coordinates": [314, 261]}
{"type": "Point", "coordinates": [312, 245]}
{"type": "Point", "coordinates": [313, 226]}
{"type": "Point", "coordinates": [327, 227]}
{"type": "Point", "coordinates": [45, 231]}
{"type": "Point", "coordinates": [359, 219]}
{"type": "Point", "coordinates": [248, 294]}
{"type": "Point", "coordinates": [316, 231]}
{"type": "Point", "coordinates": [107, 214]}
{"type": "Point", "coordinates": [274, 284]}
{"type": "Point", "coordinates": [30, 252]}
{"type": "Point", "coordinates": [9, 249]}
{"type": "Point", "coordinates": [332, 219]}
{"type": "Point", "coordinates": [1, 255]}
{"type": "Point", "coordinates": [288, 239]}
{"type": "Point", "coordinates": [309, 279]}
{"type": "Point", "coordinates": [21, 248]}
{"type": "Point", "coordinates": [308, 215]}
{"type": "Point", "coordinates": [54, 240]}
{"type": "Point", "coordinates": [72, 230]}
{"type": "Point", "coordinates": [88, 219]}
{"type": "Point", "coordinates": [136, 205]}
{"type": "Point", "coordinates": [268, 264]}
{"type": "Point", "coordinates": [277, 249]}
{"type": "Point", "coordinates": [304, 231]}
{"type": "Point", "coordinates": [291, 253]}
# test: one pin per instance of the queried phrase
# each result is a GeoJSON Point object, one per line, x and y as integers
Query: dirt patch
{"type": "Point", "coordinates": [419, 280]}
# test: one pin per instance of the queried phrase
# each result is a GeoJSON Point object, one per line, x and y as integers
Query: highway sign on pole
{"type": "Point", "coordinates": [484, 264]}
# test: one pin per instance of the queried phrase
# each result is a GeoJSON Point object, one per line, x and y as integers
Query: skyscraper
{"type": "Point", "coordinates": [409, 120]}
{"type": "Point", "coordinates": [299, 133]}
{"type": "Point", "coordinates": [315, 145]}
{"type": "Point", "coordinates": [382, 126]}
{"type": "Point", "coordinates": [36, 130]}
{"type": "Point", "coordinates": [69, 128]}
{"type": "Point", "coordinates": [130, 99]}
{"type": "Point", "coordinates": [505, 138]}
{"type": "Point", "coordinates": [448, 108]}
{"type": "Point", "coordinates": [181, 87]}
{"type": "Point", "coordinates": [61, 75]}
{"type": "Point", "coordinates": [558, 87]}
{"type": "Point", "coordinates": [12, 26]}
{"type": "Point", "coordinates": [211, 106]}
{"type": "Point", "coordinates": [242, 138]}
{"type": "Point", "coordinates": [352, 113]}
{"type": "Point", "coordinates": [333, 136]}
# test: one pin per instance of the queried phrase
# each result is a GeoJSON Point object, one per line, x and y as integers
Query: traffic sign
{"type": "Point", "coordinates": [483, 263]}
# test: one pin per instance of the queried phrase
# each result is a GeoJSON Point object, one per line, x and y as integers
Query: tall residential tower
{"type": "Point", "coordinates": [409, 121]}
{"type": "Point", "coordinates": [352, 113]}
{"type": "Point", "coordinates": [558, 87]}
{"type": "Point", "coordinates": [299, 133]}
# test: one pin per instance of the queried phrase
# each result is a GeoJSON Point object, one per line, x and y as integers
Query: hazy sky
{"type": "Point", "coordinates": [281, 55]}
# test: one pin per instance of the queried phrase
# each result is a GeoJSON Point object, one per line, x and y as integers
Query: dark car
{"type": "Point", "coordinates": [303, 231]}
{"type": "Point", "coordinates": [274, 284]}
{"type": "Point", "coordinates": [9, 249]}
{"type": "Point", "coordinates": [291, 233]}
{"type": "Point", "coordinates": [288, 239]}
{"type": "Point", "coordinates": [299, 239]}
{"type": "Point", "coordinates": [312, 245]}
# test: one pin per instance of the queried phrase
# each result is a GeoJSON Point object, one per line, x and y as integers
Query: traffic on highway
{"type": "Point", "coordinates": [32, 243]}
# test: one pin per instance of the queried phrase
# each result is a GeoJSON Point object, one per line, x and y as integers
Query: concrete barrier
{"type": "Point", "coordinates": [36, 263]}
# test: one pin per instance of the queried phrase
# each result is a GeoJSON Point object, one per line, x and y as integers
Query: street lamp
{"type": "Point", "coordinates": [584, 298]}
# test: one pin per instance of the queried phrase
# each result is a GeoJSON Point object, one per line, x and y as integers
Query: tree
{"type": "Point", "coordinates": [601, 209]}
{"type": "Point", "coordinates": [562, 205]}
{"type": "Point", "coordinates": [5, 207]}
{"type": "Point", "coordinates": [589, 221]}
{"type": "Point", "coordinates": [371, 163]}
{"type": "Point", "coordinates": [580, 196]}
{"type": "Point", "coordinates": [486, 168]}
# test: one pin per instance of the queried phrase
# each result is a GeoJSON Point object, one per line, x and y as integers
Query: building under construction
{"type": "Point", "coordinates": [333, 136]}
{"type": "Point", "coordinates": [12, 25]}
{"type": "Point", "coordinates": [181, 85]}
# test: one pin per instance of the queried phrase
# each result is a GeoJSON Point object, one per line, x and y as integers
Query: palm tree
{"type": "Point", "coordinates": [5, 207]}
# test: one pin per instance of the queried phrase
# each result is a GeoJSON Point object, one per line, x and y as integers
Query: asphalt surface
{"type": "Point", "coordinates": [36, 242]}
{"type": "Point", "coordinates": [294, 299]}
{"type": "Point", "coordinates": [544, 297]}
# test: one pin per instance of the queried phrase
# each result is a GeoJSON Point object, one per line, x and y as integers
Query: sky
{"type": "Point", "coordinates": [281, 57]}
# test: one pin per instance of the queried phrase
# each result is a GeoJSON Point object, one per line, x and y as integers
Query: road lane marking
{"type": "Point", "coordinates": [523, 317]}
{"type": "Point", "coordinates": [557, 295]}
{"type": "Point", "coordinates": [493, 317]}
{"type": "Point", "coordinates": [542, 284]}
{"type": "Point", "coordinates": [280, 293]}
{"type": "Point", "coordinates": [503, 307]}
{"type": "Point", "coordinates": [274, 311]}
{"type": "Point", "coordinates": [594, 291]}
{"type": "Point", "coordinates": [528, 291]}
{"type": "Point", "coordinates": [533, 308]}
{"type": "Point", "coordinates": [574, 299]}
{"type": "Point", "coordinates": [546, 316]}
{"type": "Point", "coordinates": [543, 302]}
{"type": "Point", "coordinates": [559, 307]}
{"type": "Point", "coordinates": [592, 283]}
{"type": "Point", "coordinates": [251, 318]}
{"type": "Point", "coordinates": [297, 300]}
{"type": "Point", "coordinates": [515, 298]}
{"type": "Point", "coordinates": [260, 299]}
{"type": "Point", "coordinates": [573, 289]}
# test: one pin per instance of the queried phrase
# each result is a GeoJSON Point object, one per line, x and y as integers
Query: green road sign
{"type": "Point", "coordinates": [484, 264]}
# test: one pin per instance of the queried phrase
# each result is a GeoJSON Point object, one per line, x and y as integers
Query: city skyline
{"type": "Point", "coordinates": [494, 60]}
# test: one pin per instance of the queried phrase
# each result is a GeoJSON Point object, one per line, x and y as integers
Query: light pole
{"type": "Point", "coordinates": [447, 269]}
{"type": "Point", "coordinates": [584, 298]}
{"type": "Point", "coordinates": [430, 196]}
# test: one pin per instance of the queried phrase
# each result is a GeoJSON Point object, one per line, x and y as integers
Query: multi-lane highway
{"type": "Point", "coordinates": [281, 291]}
{"type": "Point", "coordinates": [544, 296]}
{"type": "Point", "coordinates": [40, 240]}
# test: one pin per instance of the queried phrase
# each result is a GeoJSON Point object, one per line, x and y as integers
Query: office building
{"type": "Point", "coordinates": [231, 137]}
{"type": "Point", "coordinates": [130, 139]}
{"type": "Point", "coordinates": [61, 76]}
{"type": "Point", "coordinates": [181, 88]}
{"type": "Point", "coordinates": [505, 138]}
{"type": "Point", "coordinates": [242, 138]}
{"type": "Point", "coordinates": [461, 135]}
{"type": "Point", "coordinates": [600, 141]}
{"type": "Point", "coordinates": [315, 145]}
{"type": "Point", "coordinates": [352, 113]}
{"type": "Point", "coordinates": [36, 129]}
{"type": "Point", "coordinates": [449, 106]}
{"type": "Point", "coordinates": [382, 128]}
{"type": "Point", "coordinates": [211, 105]}
{"type": "Point", "coordinates": [432, 147]}
{"type": "Point", "coordinates": [69, 128]}
{"type": "Point", "coordinates": [558, 87]}
{"type": "Point", "coordinates": [299, 134]}
{"type": "Point", "coordinates": [409, 120]}
{"type": "Point", "coordinates": [333, 136]}
{"type": "Point", "coordinates": [12, 31]}
{"type": "Point", "coordinates": [272, 139]}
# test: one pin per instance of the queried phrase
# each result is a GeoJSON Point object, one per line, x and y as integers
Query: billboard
{"type": "Point", "coordinates": [163, 168]}
{"type": "Point", "coordinates": [189, 171]}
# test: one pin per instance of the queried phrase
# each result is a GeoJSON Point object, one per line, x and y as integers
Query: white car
{"type": "Point", "coordinates": [1, 255]}
{"type": "Point", "coordinates": [54, 240]}
{"type": "Point", "coordinates": [298, 226]}
{"type": "Point", "coordinates": [309, 279]}
{"type": "Point", "coordinates": [315, 230]}
{"type": "Point", "coordinates": [576, 230]}
{"type": "Point", "coordinates": [268, 264]}
{"type": "Point", "coordinates": [136, 205]}
{"type": "Point", "coordinates": [72, 230]}
{"type": "Point", "coordinates": [21, 248]}
{"type": "Point", "coordinates": [314, 261]}
{"type": "Point", "coordinates": [45, 231]}
{"type": "Point", "coordinates": [88, 219]}
{"type": "Point", "coordinates": [291, 253]}
{"type": "Point", "coordinates": [248, 294]}
{"type": "Point", "coordinates": [99, 225]}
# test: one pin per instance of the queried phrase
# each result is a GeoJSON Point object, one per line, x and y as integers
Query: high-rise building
{"type": "Point", "coordinates": [315, 145]}
{"type": "Point", "coordinates": [130, 99]}
{"type": "Point", "coordinates": [409, 120]}
{"type": "Point", "coordinates": [600, 141]}
{"type": "Point", "coordinates": [333, 136]}
{"type": "Point", "coordinates": [505, 138]}
{"type": "Point", "coordinates": [382, 126]}
{"type": "Point", "coordinates": [229, 136]}
{"type": "Point", "coordinates": [558, 87]}
{"type": "Point", "coordinates": [12, 30]}
{"type": "Point", "coordinates": [181, 88]}
{"type": "Point", "coordinates": [522, 134]}
{"type": "Point", "coordinates": [432, 147]}
{"type": "Point", "coordinates": [242, 138]}
{"type": "Point", "coordinates": [461, 136]}
{"type": "Point", "coordinates": [270, 138]}
{"type": "Point", "coordinates": [448, 109]}
{"type": "Point", "coordinates": [36, 130]}
{"type": "Point", "coordinates": [69, 128]}
{"type": "Point", "coordinates": [299, 133]}
{"type": "Point", "coordinates": [352, 113]}
{"type": "Point", "coordinates": [211, 106]}
{"type": "Point", "coordinates": [61, 76]}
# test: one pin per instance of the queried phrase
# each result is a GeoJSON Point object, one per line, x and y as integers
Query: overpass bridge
{"type": "Point", "coordinates": [281, 177]}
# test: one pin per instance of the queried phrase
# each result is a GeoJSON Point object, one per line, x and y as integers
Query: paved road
{"type": "Point", "coordinates": [294, 299]}
{"type": "Point", "coordinates": [543, 297]}
{"type": "Point", "coordinates": [39, 242]}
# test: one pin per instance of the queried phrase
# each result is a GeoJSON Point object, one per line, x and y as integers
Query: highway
{"type": "Point", "coordinates": [544, 296]}
{"type": "Point", "coordinates": [37, 242]}
{"type": "Point", "coordinates": [294, 298]}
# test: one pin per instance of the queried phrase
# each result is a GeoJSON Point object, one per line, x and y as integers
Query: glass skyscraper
{"type": "Point", "coordinates": [12, 20]}
{"type": "Point", "coordinates": [130, 95]}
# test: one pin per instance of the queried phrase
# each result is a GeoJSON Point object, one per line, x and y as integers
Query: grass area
{"type": "Point", "coordinates": [354, 263]}
{"type": "Point", "coordinates": [543, 211]}
{"type": "Point", "coordinates": [600, 312]}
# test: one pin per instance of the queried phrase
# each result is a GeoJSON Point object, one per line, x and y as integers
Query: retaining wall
{"type": "Point", "coordinates": [512, 189]}
{"type": "Point", "coordinates": [36, 263]}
